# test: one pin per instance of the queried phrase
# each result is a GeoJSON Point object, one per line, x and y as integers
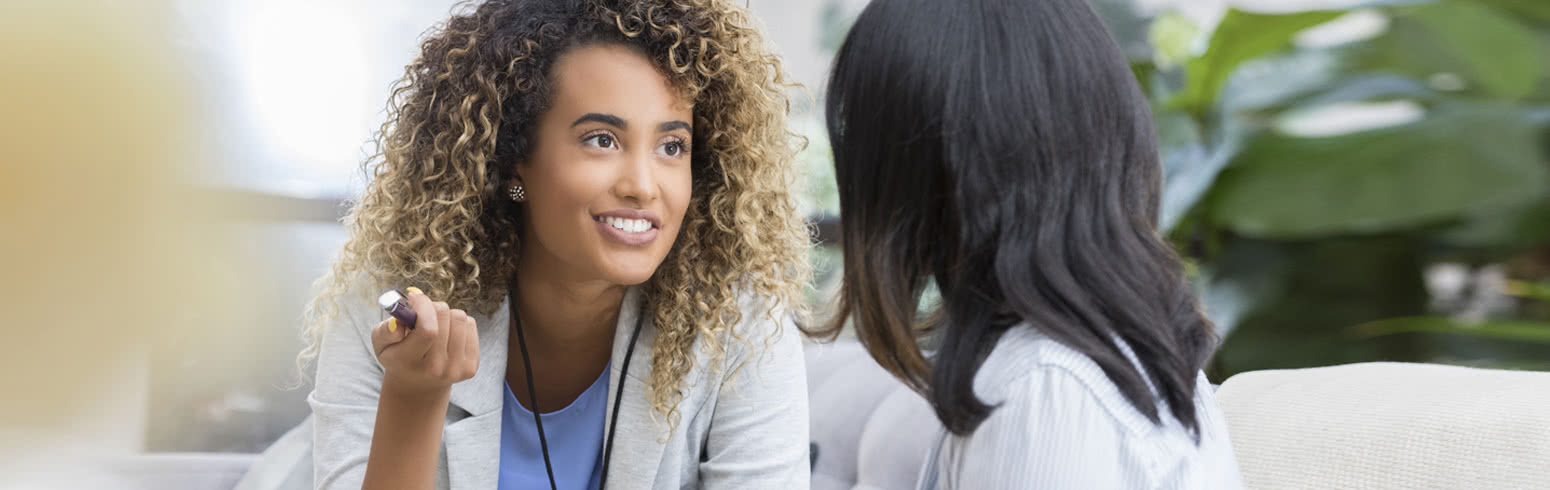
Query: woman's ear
{"type": "Point", "coordinates": [507, 182]}
{"type": "Point", "coordinates": [517, 169]}
{"type": "Point", "coordinates": [516, 181]}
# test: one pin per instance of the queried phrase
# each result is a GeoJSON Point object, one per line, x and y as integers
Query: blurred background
{"type": "Point", "coordinates": [1348, 181]}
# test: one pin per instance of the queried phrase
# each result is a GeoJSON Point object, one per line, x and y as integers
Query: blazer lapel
{"type": "Point", "coordinates": [637, 452]}
{"type": "Point", "coordinates": [485, 392]}
{"type": "Point", "coordinates": [473, 443]}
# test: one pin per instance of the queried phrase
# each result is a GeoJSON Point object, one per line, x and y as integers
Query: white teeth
{"type": "Point", "coordinates": [626, 225]}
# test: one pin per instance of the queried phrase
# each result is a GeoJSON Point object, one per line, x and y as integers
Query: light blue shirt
{"type": "Point", "coordinates": [1060, 422]}
{"type": "Point", "coordinates": [574, 434]}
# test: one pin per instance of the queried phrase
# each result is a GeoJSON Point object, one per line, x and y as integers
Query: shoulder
{"type": "Point", "coordinates": [1057, 414]}
{"type": "Point", "coordinates": [764, 323]}
{"type": "Point", "coordinates": [351, 300]}
{"type": "Point", "coordinates": [340, 321]}
{"type": "Point", "coordinates": [1028, 371]}
{"type": "Point", "coordinates": [763, 343]}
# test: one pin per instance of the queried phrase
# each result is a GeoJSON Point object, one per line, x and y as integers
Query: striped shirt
{"type": "Point", "coordinates": [1062, 424]}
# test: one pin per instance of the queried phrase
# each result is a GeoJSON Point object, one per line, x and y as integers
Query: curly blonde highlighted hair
{"type": "Point", "coordinates": [464, 114]}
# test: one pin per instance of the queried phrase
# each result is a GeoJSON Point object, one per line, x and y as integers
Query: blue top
{"type": "Point", "coordinates": [575, 436]}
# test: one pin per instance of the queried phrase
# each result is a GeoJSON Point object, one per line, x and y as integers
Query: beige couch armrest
{"type": "Point", "coordinates": [1390, 425]}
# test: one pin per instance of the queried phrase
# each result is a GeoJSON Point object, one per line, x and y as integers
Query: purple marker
{"type": "Point", "coordinates": [394, 303]}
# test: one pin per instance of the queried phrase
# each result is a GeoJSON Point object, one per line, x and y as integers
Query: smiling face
{"type": "Point", "coordinates": [609, 177]}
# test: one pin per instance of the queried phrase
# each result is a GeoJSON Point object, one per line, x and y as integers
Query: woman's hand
{"type": "Point", "coordinates": [420, 365]}
{"type": "Point", "coordinates": [442, 349]}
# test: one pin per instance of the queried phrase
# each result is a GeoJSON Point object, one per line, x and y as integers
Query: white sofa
{"type": "Point", "coordinates": [1359, 426]}
{"type": "Point", "coordinates": [160, 471]}
{"type": "Point", "coordinates": [1391, 425]}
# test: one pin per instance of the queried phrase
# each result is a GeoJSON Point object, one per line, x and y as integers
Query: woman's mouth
{"type": "Point", "coordinates": [627, 231]}
{"type": "Point", "coordinates": [625, 224]}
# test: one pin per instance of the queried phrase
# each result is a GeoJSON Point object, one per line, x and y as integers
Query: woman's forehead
{"type": "Point", "coordinates": [615, 78]}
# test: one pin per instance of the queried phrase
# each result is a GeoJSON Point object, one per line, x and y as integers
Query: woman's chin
{"type": "Point", "coordinates": [628, 266]}
{"type": "Point", "coordinates": [630, 275]}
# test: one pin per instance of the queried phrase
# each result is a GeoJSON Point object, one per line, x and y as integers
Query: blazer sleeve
{"type": "Point", "coordinates": [758, 435]}
{"type": "Point", "coordinates": [344, 401]}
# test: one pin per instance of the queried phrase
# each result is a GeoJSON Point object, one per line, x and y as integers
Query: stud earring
{"type": "Point", "coordinates": [517, 193]}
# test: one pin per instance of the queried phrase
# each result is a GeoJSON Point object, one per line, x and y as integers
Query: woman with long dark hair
{"type": "Point", "coordinates": [1003, 151]}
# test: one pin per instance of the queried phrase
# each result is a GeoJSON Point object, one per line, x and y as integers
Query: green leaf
{"type": "Point", "coordinates": [1277, 80]}
{"type": "Point", "coordinates": [1493, 53]}
{"type": "Point", "coordinates": [1189, 172]}
{"type": "Point", "coordinates": [1525, 289]}
{"type": "Point", "coordinates": [1172, 36]}
{"type": "Point", "coordinates": [1520, 331]}
{"type": "Point", "coordinates": [1358, 88]}
{"type": "Point", "coordinates": [1534, 11]}
{"type": "Point", "coordinates": [1504, 229]}
{"type": "Point", "coordinates": [1143, 71]}
{"type": "Point", "coordinates": [1458, 160]}
{"type": "Point", "coordinates": [1240, 36]}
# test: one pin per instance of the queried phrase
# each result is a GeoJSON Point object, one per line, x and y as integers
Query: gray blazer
{"type": "Point", "coordinates": [748, 430]}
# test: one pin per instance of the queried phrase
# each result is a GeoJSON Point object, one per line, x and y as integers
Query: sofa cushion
{"type": "Point", "coordinates": [896, 441]}
{"type": "Point", "coordinates": [1390, 425]}
{"type": "Point", "coordinates": [869, 431]}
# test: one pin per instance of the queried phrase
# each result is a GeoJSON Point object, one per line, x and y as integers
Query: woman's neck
{"type": "Point", "coordinates": [568, 325]}
{"type": "Point", "coordinates": [561, 313]}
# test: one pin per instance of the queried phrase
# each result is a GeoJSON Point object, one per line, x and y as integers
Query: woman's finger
{"type": "Point", "coordinates": [443, 315]}
{"type": "Point", "coordinates": [471, 345]}
{"type": "Point", "coordinates": [386, 334]}
{"type": "Point", "coordinates": [455, 334]}
{"type": "Point", "coordinates": [427, 326]}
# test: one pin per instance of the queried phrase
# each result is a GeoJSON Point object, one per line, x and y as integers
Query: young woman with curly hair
{"type": "Point", "coordinates": [589, 204]}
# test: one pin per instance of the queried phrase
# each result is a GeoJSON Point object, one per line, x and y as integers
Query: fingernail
{"type": "Point", "coordinates": [413, 290]}
{"type": "Point", "coordinates": [392, 324]}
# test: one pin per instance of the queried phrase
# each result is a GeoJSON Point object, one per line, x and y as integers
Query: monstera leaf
{"type": "Point", "coordinates": [1458, 160]}
{"type": "Point", "coordinates": [1491, 53]}
{"type": "Point", "coordinates": [1241, 36]}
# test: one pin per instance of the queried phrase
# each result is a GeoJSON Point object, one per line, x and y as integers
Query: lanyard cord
{"type": "Point", "coordinates": [613, 423]}
{"type": "Point", "coordinates": [532, 395]}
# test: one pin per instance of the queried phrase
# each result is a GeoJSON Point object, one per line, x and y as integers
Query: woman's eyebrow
{"type": "Point", "coordinates": [671, 125]}
{"type": "Point", "coordinates": [608, 119]}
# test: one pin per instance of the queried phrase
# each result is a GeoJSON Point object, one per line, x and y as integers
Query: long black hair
{"type": "Point", "coordinates": [1003, 149]}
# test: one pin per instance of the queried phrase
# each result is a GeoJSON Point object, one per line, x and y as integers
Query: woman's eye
{"type": "Point", "coordinates": [674, 148]}
{"type": "Point", "coordinates": [602, 140]}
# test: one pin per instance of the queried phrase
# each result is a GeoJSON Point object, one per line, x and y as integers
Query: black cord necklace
{"type": "Point", "coordinates": [532, 394]}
